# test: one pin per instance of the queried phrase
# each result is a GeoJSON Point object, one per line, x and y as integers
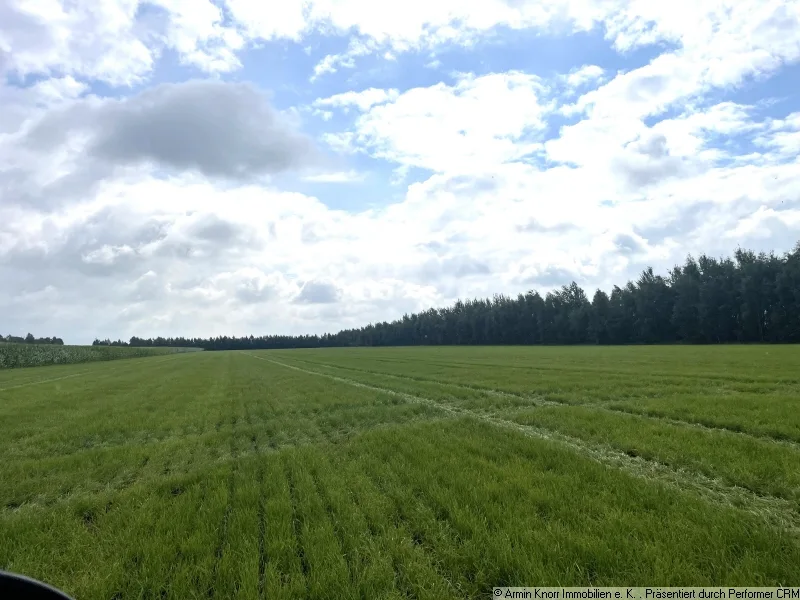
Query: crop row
{"type": "Point", "coordinates": [395, 474]}
{"type": "Point", "coordinates": [36, 355]}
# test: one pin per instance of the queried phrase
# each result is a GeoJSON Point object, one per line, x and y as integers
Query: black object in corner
{"type": "Point", "coordinates": [19, 587]}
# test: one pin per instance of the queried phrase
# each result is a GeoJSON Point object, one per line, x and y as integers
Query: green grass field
{"type": "Point", "coordinates": [403, 472]}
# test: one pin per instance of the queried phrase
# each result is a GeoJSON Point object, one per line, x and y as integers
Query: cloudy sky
{"type": "Point", "coordinates": [206, 167]}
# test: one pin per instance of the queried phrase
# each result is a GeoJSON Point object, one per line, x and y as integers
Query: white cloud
{"type": "Point", "coordinates": [119, 40]}
{"type": "Point", "coordinates": [783, 135]}
{"type": "Point", "coordinates": [333, 62]}
{"type": "Point", "coordinates": [83, 39]}
{"type": "Point", "coordinates": [719, 44]}
{"type": "Point", "coordinates": [107, 255]}
{"type": "Point", "coordinates": [326, 115]}
{"type": "Point", "coordinates": [708, 30]}
{"type": "Point", "coordinates": [164, 257]}
{"type": "Point", "coordinates": [335, 177]}
{"type": "Point", "coordinates": [115, 41]}
{"type": "Point", "coordinates": [478, 122]}
{"type": "Point", "coordinates": [584, 75]}
{"type": "Point", "coordinates": [765, 222]}
{"type": "Point", "coordinates": [653, 163]}
{"type": "Point", "coordinates": [329, 64]}
{"type": "Point", "coordinates": [194, 29]}
{"type": "Point", "coordinates": [362, 100]}
{"type": "Point", "coordinates": [270, 20]}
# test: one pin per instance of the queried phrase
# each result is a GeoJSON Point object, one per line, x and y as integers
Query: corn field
{"type": "Point", "coordinates": [36, 355]}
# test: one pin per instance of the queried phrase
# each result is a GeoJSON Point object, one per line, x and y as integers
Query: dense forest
{"type": "Point", "coordinates": [29, 339]}
{"type": "Point", "coordinates": [748, 298]}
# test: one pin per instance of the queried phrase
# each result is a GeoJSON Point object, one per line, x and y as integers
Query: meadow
{"type": "Point", "coordinates": [15, 356]}
{"type": "Point", "coordinates": [434, 472]}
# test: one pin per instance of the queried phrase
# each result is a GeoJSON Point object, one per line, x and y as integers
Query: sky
{"type": "Point", "coordinates": [236, 167]}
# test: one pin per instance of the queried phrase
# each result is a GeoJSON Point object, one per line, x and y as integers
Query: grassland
{"type": "Point", "coordinates": [38, 355]}
{"type": "Point", "coordinates": [403, 473]}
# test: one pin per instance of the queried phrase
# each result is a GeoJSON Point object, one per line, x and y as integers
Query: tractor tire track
{"type": "Point", "coordinates": [539, 401]}
{"type": "Point", "coordinates": [775, 511]}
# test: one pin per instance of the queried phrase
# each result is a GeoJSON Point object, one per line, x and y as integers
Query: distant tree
{"type": "Point", "coordinates": [751, 298]}
{"type": "Point", "coordinates": [598, 322]}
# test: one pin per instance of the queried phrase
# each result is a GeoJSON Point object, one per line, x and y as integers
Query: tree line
{"type": "Point", "coordinates": [747, 298]}
{"type": "Point", "coordinates": [29, 339]}
{"type": "Point", "coordinates": [107, 342]}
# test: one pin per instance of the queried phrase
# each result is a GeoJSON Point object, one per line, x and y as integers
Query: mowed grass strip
{"type": "Point", "coordinates": [79, 446]}
{"type": "Point", "coordinates": [229, 476]}
{"type": "Point", "coordinates": [462, 396]}
{"type": "Point", "coordinates": [768, 424]}
{"type": "Point", "coordinates": [107, 412]}
{"type": "Point", "coordinates": [774, 509]}
{"type": "Point", "coordinates": [109, 432]}
{"type": "Point", "coordinates": [774, 415]}
{"type": "Point", "coordinates": [756, 464]}
{"type": "Point", "coordinates": [432, 511]}
{"type": "Point", "coordinates": [749, 389]}
{"type": "Point", "coordinates": [727, 364]}
{"type": "Point", "coordinates": [516, 509]}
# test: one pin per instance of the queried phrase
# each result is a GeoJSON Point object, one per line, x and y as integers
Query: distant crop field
{"type": "Point", "coordinates": [403, 472]}
{"type": "Point", "coordinates": [38, 355]}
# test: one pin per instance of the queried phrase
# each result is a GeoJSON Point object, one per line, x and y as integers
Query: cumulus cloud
{"type": "Point", "coordinates": [350, 176]}
{"type": "Point", "coordinates": [362, 100]}
{"type": "Point", "coordinates": [445, 128]}
{"type": "Point", "coordinates": [783, 135]}
{"type": "Point", "coordinates": [68, 149]}
{"type": "Point", "coordinates": [629, 244]}
{"type": "Point", "coordinates": [318, 292]}
{"type": "Point", "coordinates": [115, 41]}
{"type": "Point", "coordinates": [218, 129]}
{"type": "Point", "coordinates": [214, 261]}
{"type": "Point", "coordinates": [584, 75]}
{"type": "Point", "coordinates": [647, 161]}
{"type": "Point", "coordinates": [166, 209]}
{"type": "Point", "coordinates": [119, 41]}
{"type": "Point", "coordinates": [536, 226]}
{"type": "Point", "coordinates": [458, 267]}
{"type": "Point", "coordinates": [551, 276]}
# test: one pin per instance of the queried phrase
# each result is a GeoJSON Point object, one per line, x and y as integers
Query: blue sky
{"type": "Point", "coordinates": [199, 167]}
